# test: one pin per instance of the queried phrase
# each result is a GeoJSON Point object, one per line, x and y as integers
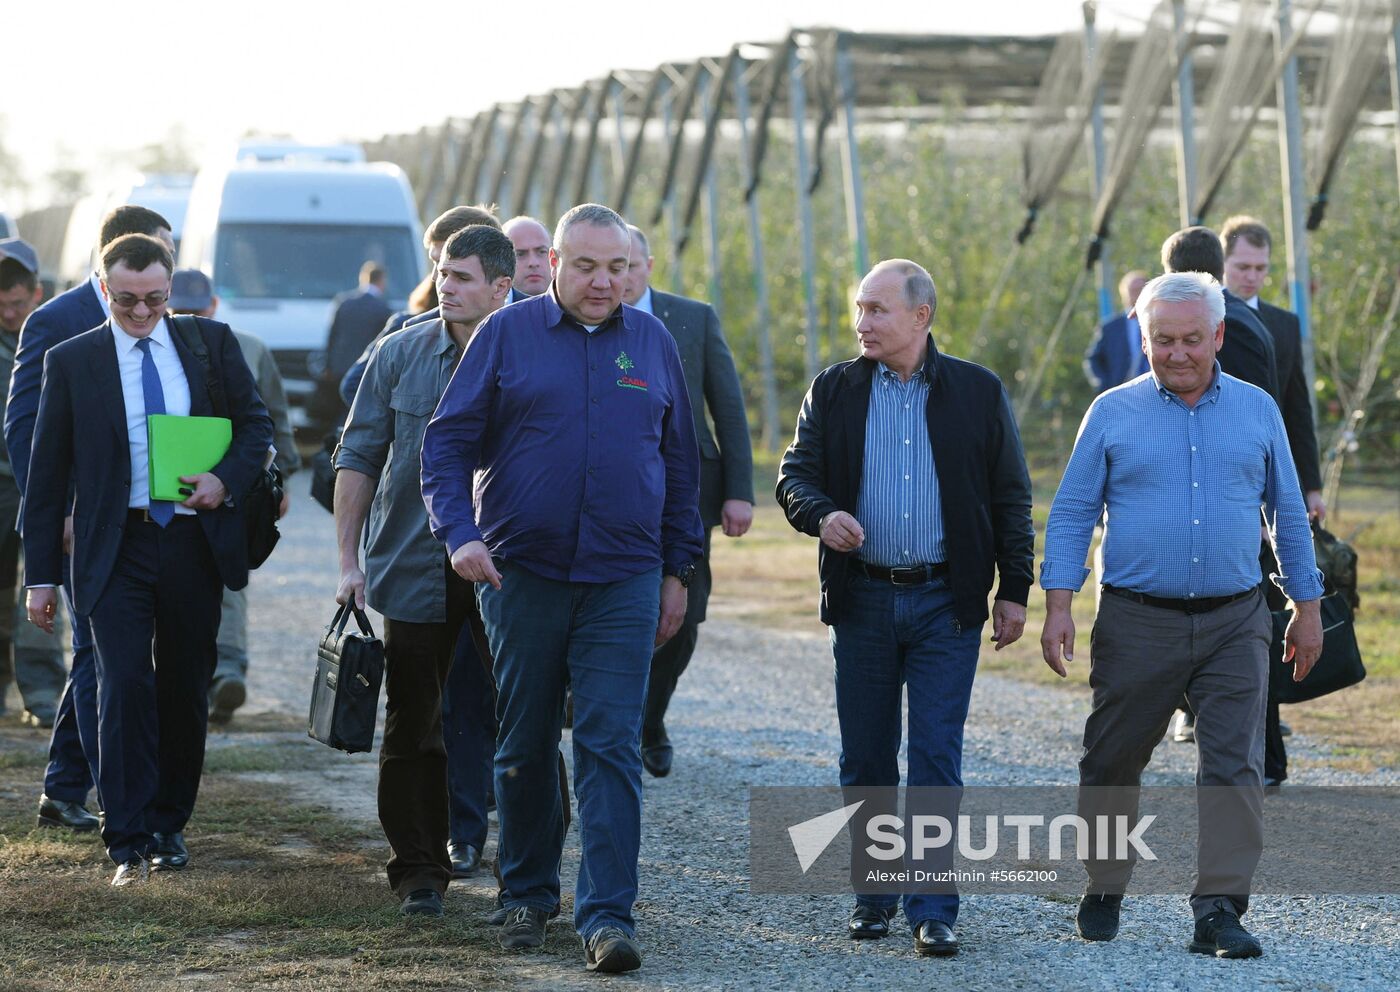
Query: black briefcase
{"type": "Point", "coordinates": [1338, 667]}
{"type": "Point", "coordinates": [345, 695]}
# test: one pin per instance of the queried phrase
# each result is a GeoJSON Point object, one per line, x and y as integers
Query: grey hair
{"type": "Point", "coordinates": [1182, 287]}
{"type": "Point", "coordinates": [918, 284]}
{"type": "Point", "coordinates": [589, 213]}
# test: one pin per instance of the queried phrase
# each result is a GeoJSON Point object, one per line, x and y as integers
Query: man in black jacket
{"type": "Point", "coordinates": [1247, 243]}
{"type": "Point", "coordinates": [907, 464]}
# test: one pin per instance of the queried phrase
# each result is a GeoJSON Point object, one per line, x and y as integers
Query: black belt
{"type": "Point", "coordinates": [1190, 606]}
{"type": "Point", "coordinates": [910, 575]}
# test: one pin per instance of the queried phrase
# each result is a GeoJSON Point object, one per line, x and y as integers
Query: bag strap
{"type": "Point", "coordinates": [343, 615]}
{"type": "Point", "coordinates": [188, 328]}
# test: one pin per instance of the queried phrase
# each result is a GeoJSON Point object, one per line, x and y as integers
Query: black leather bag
{"type": "Point", "coordinates": [323, 471]}
{"type": "Point", "coordinates": [1338, 667]}
{"type": "Point", "coordinates": [263, 500]}
{"type": "Point", "coordinates": [345, 695]}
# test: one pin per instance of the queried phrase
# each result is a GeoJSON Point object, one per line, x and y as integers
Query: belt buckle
{"type": "Point", "coordinates": [911, 577]}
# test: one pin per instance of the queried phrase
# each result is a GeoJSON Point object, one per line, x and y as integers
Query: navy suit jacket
{"type": "Point", "coordinates": [359, 316]}
{"type": "Point", "coordinates": [1248, 351]}
{"type": "Point", "coordinates": [65, 316]}
{"type": "Point", "coordinates": [1295, 400]}
{"type": "Point", "coordinates": [1111, 359]}
{"type": "Point", "coordinates": [81, 430]}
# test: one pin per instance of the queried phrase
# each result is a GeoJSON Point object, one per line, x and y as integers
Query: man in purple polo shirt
{"type": "Point", "coordinates": [570, 412]}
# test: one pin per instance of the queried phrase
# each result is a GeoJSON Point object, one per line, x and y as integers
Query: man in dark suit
{"type": "Point", "coordinates": [358, 316]}
{"type": "Point", "coordinates": [72, 767]}
{"type": "Point", "coordinates": [1247, 244]}
{"type": "Point", "coordinates": [726, 472]}
{"type": "Point", "coordinates": [148, 573]}
{"type": "Point", "coordinates": [1115, 355]}
{"type": "Point", "coordinates": [907, 466]}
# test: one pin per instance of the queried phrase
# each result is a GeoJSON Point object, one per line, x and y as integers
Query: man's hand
{"type": "Point", "coordinates": [352, 583]}
{"type": "Point", "coordinates": [673, 603]}
{"type": "Point", "coordinates": [840, 531]}
{"type": "Point", "coordinates": [1302, 641]}
{"type": "Point", "coordinates": [1008, 622]}
{"type": "Point", "coordinates": [736, 516]}
{"type": "Point", "coordinates": [1057, 636]}
{"type": "Point", "coordinates": [68, 534]}
{"type": "Point", "coordinates": [473, 562]}
{"type": "Point", "coordinates": [42, 602]}
{"type": "Point", "coordinates": [1317, 506]}
{"type": "Point", "coordinates": [209, 492]}
{"type": "Point", "coordinates": [285, 505]}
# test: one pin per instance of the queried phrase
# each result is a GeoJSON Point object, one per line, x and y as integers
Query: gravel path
{"type": "Point", "coordinates": [757, 708]}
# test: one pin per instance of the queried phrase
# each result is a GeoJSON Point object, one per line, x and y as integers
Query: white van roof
{"type": "Point", "coordinates": [315, 192]}
{"type": "Point", "coordinates": [291, 151]}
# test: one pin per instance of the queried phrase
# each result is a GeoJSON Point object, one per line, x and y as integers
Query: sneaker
{"type": "Point", "coordinates": [1184, 730]}
{"type": "Point", "coordinates": [422, 902]}
{"type": "Point", "coordinates": [1098, 916]}
{"type": "Point", "coordinates": [1222, 934]}
{"type": "Point", "coordinates": [611, 950]}
{"type": "Point", "coordinates": [523, 928]}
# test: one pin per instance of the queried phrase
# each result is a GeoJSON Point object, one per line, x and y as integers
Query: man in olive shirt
{"type": "Point", "coordinates": [406, 575]}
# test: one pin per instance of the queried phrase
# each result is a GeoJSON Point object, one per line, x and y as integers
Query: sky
{"type": "Point", "coordinates": [330, 71]}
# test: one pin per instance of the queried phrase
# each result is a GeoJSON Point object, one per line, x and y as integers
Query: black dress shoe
{"type": "Point", "coordinates": [226, 695]}
{"type": "Point", "coordinates": [1221, 934]}
{"type": "Point", "coordinates": [656, 759]}
{"type": "Point", "coordinates": [169, 852]}
{"type": "Point", "coordinates": [612, 951]}
{"type": "Point", "coordinates": [1098, 916]}
{"type": "Point", "coordinates": [465, 860]}
{"type": "Point", "coordinates": [524, 928]}
{"type": "Point", "coordinates": [422, 902]}
{"type": "Point", "coordinates": [934, 938]}
{"type": "Point", "coordinates": [869, 922]}
{"type": "Point", "coordinates": [70, 816]}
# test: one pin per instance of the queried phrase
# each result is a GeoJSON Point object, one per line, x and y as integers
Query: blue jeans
{"type": "Point", "coordinates": [469, 734]}
{"type": "Point", "coordinates": [596, 638]}
{"type": "Point", "coordinates": [890, 637]}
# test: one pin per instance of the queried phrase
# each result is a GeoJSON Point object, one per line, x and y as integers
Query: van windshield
{"type": "Point", "coordinates": [309, 261]}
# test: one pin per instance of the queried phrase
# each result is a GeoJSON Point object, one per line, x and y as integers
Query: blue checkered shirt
{"type": "Point", "coordinates": [1182, 487]}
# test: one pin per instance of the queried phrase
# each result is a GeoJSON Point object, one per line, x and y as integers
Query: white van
{"type": "Point", "coordinates": [168, 194]}
{"type": "Point", "coordinates": [280, 238]}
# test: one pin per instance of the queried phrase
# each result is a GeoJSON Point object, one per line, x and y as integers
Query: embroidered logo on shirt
{"type": "Point", "coordinates": [627, 381]}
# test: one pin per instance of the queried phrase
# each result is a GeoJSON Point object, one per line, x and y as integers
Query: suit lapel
{"type": "Point", "coordinates": [106, 376]}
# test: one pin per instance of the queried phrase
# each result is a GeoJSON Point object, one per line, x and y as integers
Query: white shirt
{"type": "Point", "coordinates": [96, 284]}
{"type": "Point", "coordinates": [644, 302]}
{"type": "Point", "coordinates": [173, 384]}
{"type": "Point", "coordinates": [1252, 302]}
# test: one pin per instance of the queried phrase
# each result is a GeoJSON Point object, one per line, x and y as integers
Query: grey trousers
{"type": "Point", "coordinates": [1143, 659]}
{"type": "Point", "coordinates": [233, 637]}
{"type": "Point", "coordinates": [30, 658]}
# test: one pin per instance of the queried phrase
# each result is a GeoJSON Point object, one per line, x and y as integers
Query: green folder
{"type": "Point", "coordinates": [180, 446]}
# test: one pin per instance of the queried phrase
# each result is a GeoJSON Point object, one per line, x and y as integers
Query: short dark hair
{"type": "Point", "coordinates": [494, 250]}
{"type": "Point", "coordinates": [1194, 249]}
{"type": "Point", "coordinates": [137, 252]}
{"type": "Point", "coordinates": [372, 272]}
{"type": "Point", "coordinates": [452, 221]}
{"type": "Point", "coordinates": [1249, 228]}
{"type": "Point", "coordinates": [13, 274]}
{"type": "Point", "coordinates": [130, 219]}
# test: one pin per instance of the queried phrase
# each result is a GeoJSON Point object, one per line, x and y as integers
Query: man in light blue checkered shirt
{"type": "Point", "coordinates": [1181, 459]}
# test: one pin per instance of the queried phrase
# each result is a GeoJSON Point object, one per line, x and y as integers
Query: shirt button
{"type": "Point", "coordinates": [906, 516]}
{"type": "Point", "coordinates": [906, 406]}
{"type": "Point", "coordinates": [1190, 595]}
{"type": "Point", "coordinates": [906, 440]}
{"type": "Point", "coordinates": [1196, 559]}
{"type": "Point", "coordinates": [906, 478]}
{"type": "Point", "coordinates": [594, 434]}
{"type": "Point", "coordinates": [1195, 521]}
{"type": "Point", "coordinates": [595, 400]}
{"type": "Point", "coordinates": [1195, 485]}
{"type": "Point", "coordinates": [1193, 447]}
{"type": "Point", "coordinates": [1193, 413]}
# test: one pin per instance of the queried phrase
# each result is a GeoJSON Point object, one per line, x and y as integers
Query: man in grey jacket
{"type": "Point", "coordinates": [726, 472]}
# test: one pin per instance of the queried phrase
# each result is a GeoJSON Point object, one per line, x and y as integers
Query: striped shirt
{"type": "Point", "coordinates": [899, 507]}
{"type": "Point", "coordinates": [1182, 487]}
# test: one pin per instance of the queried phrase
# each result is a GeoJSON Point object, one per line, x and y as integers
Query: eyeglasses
{"type": "Point", "coordinates": [128, 301]}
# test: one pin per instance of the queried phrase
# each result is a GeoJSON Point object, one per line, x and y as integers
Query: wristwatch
{"type": "Point", "coordinates": [686, 573]}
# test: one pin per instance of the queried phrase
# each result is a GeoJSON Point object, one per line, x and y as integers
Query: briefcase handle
{"type": "Point", "coordinates": [342, 615]}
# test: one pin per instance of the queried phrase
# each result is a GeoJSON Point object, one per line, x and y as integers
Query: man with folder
{"type": "Point", "coordinates": [147, 572]}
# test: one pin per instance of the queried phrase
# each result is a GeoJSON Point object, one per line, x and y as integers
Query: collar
{"type": "Point", "coordinates": [96, 284]}
{"type": "Point", "coordinates": [1211, 394]}
{"type": "Point", "coordinates": [126, 344]}
{"type": "Point", "coordinates": [373, 290]}
{"type": "Point", "coordinates": [1252, 302]}
{"type": "Point", "coordinates": [644, 303]}
{"type": "Point", "coordinates": [885, 372]}
{"type": "Point", "coordinates": [445, 344]}
{"type": "Point", "coordinates": [555, 315]}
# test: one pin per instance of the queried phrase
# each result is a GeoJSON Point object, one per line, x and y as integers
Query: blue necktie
{"type": "Point", "coordinates": [162, 510]}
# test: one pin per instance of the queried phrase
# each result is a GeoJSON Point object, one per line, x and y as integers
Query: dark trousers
{"type": "Point", "coordinates": [1142, 660]}
{"type": "Point", "coordinates": [1275, 753]}
{"type": "Point", "coordinates": [412, 757]}
{"type": "Point", "coordinates": [596, 638]}
{"type": "Point", "coordinates": [469, 733]}
{"type": "Point", "coordinates": [74, 746]}
{"type": "Point", "coordinates": [154, 629]}
{"type": "Point", "coordinates": [891, 639]}
{"type": "Point", "coordinates": [669, 661]}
